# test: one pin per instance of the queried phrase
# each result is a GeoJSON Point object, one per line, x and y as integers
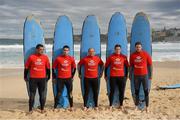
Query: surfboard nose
{"type": "Point", "coordinates": [117, 18]}
{"type": "Point", "coordinates": [91, 18]}
{"type": "Point", "coordinates": [32, 19]}
{"type": "Point", "coordinates": [63, 18]}
{"type": "Point", "coordinates": [141, 16]}
{"type": "Point", "coordinates": [117, 14]}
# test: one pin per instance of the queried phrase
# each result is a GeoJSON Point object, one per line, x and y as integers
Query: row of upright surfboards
{"type": "Point", "coordinates": [63, 35]}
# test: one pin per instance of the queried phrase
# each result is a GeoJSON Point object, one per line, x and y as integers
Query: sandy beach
{"type": "Point", "coordinates": [164, 104]}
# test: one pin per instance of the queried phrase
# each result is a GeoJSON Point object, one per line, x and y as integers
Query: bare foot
{"type": "Point", "coordinates": [30, 112]}
{"type": "Point", "coordinates": [110, 108]}
{"type": "Point", "coordinates": [147, 110]}
{"type": "Point", "coordinates": [54, 110]}
{"type": "Point", "coordinates": [96, 108]}
{"type": "Point", "coordinates": [42, 111]}
{"type": "Point", "coordinates": [123, 109]}
{"type": "Point", "coordinates": [71, 109]}
{"type": "Point", "coordinates": [85, 109]}
{"type": "Point", "coordinates": [136, 108]}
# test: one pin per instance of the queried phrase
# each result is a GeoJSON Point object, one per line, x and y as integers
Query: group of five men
{"type": "Point", "coordinates": [38, 67]}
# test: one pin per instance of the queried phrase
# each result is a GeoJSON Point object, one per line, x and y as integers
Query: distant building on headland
{"type": "Point", "coordinates": [170, 35]}
{"type": "Point", "coordinates": [164, 35]}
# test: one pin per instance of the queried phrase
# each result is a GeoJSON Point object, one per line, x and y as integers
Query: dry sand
{"type": "Point", "coordinates": [164, 104]}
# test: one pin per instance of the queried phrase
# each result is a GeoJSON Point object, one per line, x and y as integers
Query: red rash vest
{"type": "Point", "coordinates": [139, 61]}
{"type": "Point", "coordinates": [91, 64]}
{"type": "Point", "coordinates": [117, 63]}
{"type": "Point", "coordinates": [64, 64]}
{"type": "Point", "coordinates": [37, 65]}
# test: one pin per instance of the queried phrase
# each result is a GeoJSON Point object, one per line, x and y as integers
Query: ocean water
{"type": "Point", "coordinates": [11, 55]}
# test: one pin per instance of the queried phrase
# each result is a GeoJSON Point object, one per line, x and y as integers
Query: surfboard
{"type": "Point", "coordinates": [117, 34]}
{"type": "Point", "coordinates": [90, 39]}
{"type": "Point", "coordinates": [141, 32]}
{"type": "Point", "coordinates": [63, 35]}
{"type": "Point", "coordinates": [175, 86]}
{"type": "Point", "coordinates": [33, 34]}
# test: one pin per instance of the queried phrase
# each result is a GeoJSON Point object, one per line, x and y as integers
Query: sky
{"type": "Point", "coordinates": [161, 13]}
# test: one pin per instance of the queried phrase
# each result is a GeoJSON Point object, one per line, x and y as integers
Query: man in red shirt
{"type": "Point", "coordinates": [91, 64]}
{"type": "Point", "coordinates": [38, 67]}
{"type": "Point", "coordinates": [66, 67]}
{"type": "Point", "coordinates": [140, 61]}
{"type": "Point", "coordinates": [118, 74]}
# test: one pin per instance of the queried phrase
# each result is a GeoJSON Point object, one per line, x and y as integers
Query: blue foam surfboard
{"type": "Point", "coordinates": [63, 35]}
{"type": "Point", "coordinates": [141, 32]}
{"type": "Point", "coordinates": [170, 86]}
{"type": "Point", "coordinates": [90, 39]}
{"type": "Point", "coordinates": [33, 34]}
{"type": "Point", "coordinates": [117, 34]}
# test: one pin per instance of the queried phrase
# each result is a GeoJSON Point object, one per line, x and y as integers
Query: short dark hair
{"type": "Point", "coordinates": [39, 45]}
{"type": "Point", "coordinates": [117, 45]}
{"type": "Point", "coordinates": [90, 49]}
{"type": "Point", "coordinates": [66, 46]}
{"type": "Point", "coordinates": [138, 43]}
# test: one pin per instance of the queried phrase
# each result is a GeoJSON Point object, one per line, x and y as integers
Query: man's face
{"type": "Point", "coordinates": [91, 52]}
{"type": "Point", "coordinates": [118, 50]}
{"type": "Point", "coordinates": [66, 51]}
{"type": "Point", "coordinates": [40, 50]}
{"type": "Point", "coordinates": [138, 48]}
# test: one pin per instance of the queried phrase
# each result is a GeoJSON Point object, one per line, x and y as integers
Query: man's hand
{"type": "Point", "coordinates": [125, 77]}
{"type": "Point", "coordinates": [25, 75]}
{"type": "Point", "coordinates": [130, 76]}
{"type": "Point", "coordinates": [72, 78]}
{"type": "Point", "coordinates": [106, 78]}
{"type": "Point", "coordinates": [25, 79]}
{"type": "Point", "coordinates": [48, 77]}
{"type": "Point", "coordinates": [48, 74]}
{"type": "Point", "coordinates": [54, 81]}
{"type": "Point", "coordinates": [79, 76]}
{"type": "Point", "coordinates": [101, 75]}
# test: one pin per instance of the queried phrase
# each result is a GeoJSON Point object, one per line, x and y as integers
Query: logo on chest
{"type": "Point", "coordinates": [138, 59]}
{"type": "Point", "coordinates": [117, 61]}
{"type": "Point", "coordinates": [38, 62]}
{"type": "Point", "coordinates": [91, 63]}
{"type": "Point", "coordinates": [65, 63]}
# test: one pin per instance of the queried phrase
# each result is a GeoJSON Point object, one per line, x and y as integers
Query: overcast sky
{"type": "Point", "coordinates": [13, 13]}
